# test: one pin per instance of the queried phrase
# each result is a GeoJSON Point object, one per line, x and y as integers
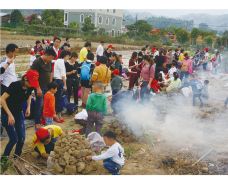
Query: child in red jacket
{"type": "Point", "coordinates": [49, 104]}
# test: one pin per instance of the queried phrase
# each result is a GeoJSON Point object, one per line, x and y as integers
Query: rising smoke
{"type": "Point", "coordinates": [176, 122]}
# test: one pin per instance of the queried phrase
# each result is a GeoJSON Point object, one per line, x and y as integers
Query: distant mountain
{"type": "Point", "coordinates": [216, 22]}
{"type": "Point", "coordinates": [155, 21]}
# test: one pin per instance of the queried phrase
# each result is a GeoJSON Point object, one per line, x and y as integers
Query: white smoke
{"type": "Point", "coordinates": [176, 122]}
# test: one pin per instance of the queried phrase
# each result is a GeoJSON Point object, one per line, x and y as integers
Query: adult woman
{"type": "Point", "coordinates": [159, 60]}
{"type": "Point", "coordinates": [72, 82]}
{"type": "Point", "coordinates": [147, 76]}
{"type": "Point", "coordinates": [186, 67]}
{"type": "Point", "coordinates": [116, 64]}
{"type": "Point", "coordinates": [133, 80]}
{"type": "Point", "coordinates": [12, 116]}
{"type": "Point", "coordinates": [174, 83]}
{"type": "Point", "coordinates": [60, 79]}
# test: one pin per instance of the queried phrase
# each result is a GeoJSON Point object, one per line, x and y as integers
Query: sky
{"type": "Point", "coordinates": [179, 12]}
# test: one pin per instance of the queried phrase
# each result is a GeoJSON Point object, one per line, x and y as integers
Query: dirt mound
{"type": "Point", "coordinates": [70, 154]}
{"type": "Point", "coordinates": [123, 134]}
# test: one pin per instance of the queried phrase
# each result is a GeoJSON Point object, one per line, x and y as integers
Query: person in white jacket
{"type": "Point", "coordinates": [60, 79]}
{"type": "Point", "coordinates": [113, 158]}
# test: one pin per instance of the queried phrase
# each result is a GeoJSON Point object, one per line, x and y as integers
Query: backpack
{"type": "Point", "coordinates": [184, 66]}
{"type": "Point", "coordinates": [71, 108]}
{"type": "Point", "coordinates": [85, 71]}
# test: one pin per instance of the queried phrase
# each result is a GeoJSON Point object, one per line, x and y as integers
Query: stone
{"type": "Point", "coordinates": [80, 166]}
{"type": "Point", "coordinates": [62, 162]}
{"type": "Point", "coordinates": [70, 170]}
{"type": "Point", "coordinates": [57, 168]}
{"type": "Point", "coordinates": [66, 157]}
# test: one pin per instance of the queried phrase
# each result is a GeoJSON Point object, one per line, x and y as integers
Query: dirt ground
{"type": "Point", "coordinates": [29, 41]}
{"type": "Point", "coordinates": [144, 156]}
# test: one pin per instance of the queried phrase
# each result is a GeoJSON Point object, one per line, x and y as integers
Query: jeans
{"type": "Point", "coordinates": [226, 102]}
{"type": "Point", "coordinates": [72, 85]}
{"type": "Point", "coordinates": [205, 66]}
{"type": "Point", "coordinates": [58, 96]}
{"type": "Point", "coordinates": [184, 74]}
{"type": "Point", "coordinates": [94, 118]}
{"type": "Point", "coordinates": [145, 92]}
{"type": "Point", "coordinates": [39, 106]}
{"type": "Point", "coordinates": [48, 147]}
{"type": "Point", "coordinates": [114, 92]}
{"type": "Point", "coordinates": [194, 99]}
{"type": "Point", "coordinates": [16, 133]}
{"type": "Point", "coordinates": [48, 121]}
{"type": "Point", "coordinates": [111, 166]}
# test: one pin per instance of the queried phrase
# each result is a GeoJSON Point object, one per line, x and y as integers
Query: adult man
{"type": "Point", "coordinates": [8, 74]}
{"type": "Point", "coordinates": [56, 45]}
{"type": "Point", "coordinates": [84, 51]}
{"type": "Point", "coordinates": [43, 65]}
{"type": "Point", "coordinates": [100, 50]}
{"type": "Point", "coordinates": [102, 73]}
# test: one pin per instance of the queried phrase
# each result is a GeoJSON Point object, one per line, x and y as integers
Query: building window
{"type": "Point", "coordinates": [91, 17]}
{"type": "Point", "coordinates": [113, 33]}
{"type": "Point", "coordinates": [100, 19]}
{"type": "Point", "coordinates": [107, 10]}
{"type": "Point", "coordinates": [113, 21]}
{"type": "Point", "coordinates": [107, 21]}
{"type": "Point", "coordinates": [66, 17]}
{"type": "Point", "coordinates": [114, 10]}
{"type": "Point", "coordinates": [118, 33]}
{"type": "Point", "coordinates": [82, 18]}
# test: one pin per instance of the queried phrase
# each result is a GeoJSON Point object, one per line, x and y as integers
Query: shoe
{"type": "Point", "coordinates": [57, 120]}
{"type": "Point", "coordinates": [61, 120]}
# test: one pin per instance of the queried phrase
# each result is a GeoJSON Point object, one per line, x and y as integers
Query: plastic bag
{"type": "Point", "coordinates": [49, 160]}
{"type": "Point", "coordinates": [83, 115]}
{"type": "Point", "coordinates": [96, 141]}
{"type": "Point", "coordinates": [186, 91]}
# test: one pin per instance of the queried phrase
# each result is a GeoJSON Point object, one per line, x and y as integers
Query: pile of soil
{"type": "Point", "coordinates": [70, 154]}
{"type": "Point", "coordinates": [122, 133]}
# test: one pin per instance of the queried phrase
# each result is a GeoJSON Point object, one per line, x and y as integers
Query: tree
{"type": "Point", "coordinates": [208, 40]}
{"type": "Point", "coordinates": [74, 25]}
{"type": "Point", "coordinates": [142, 26]}
{"type": "Point", "coordinates": [101, 31]}
{"type": "Point", "coordinates": [194, 34]}
{"type": "Point", "coordinates": [53, 18]}
{"type": "Point", "coordinates": [182, 35]}
{"type": "Point", "coordinates": [34, 20]}
{"type": "Point", "coordinates": [16, 18]}
{"type": "Point", "coordinates": [88, 26]}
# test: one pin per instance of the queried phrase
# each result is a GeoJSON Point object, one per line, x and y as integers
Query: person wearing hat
{"type": "Point", "coordinates": [45, 138]}
{"type": "Point", "coordinates": [12, 115]}
{"type": "Point", "coordinates": [108, 54]}
{"type": "Point", "coordinates": [116, 82]}
{"type": "Point", "coordinates": [102, 73]}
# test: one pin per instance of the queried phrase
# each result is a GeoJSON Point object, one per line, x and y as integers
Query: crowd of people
{"type": "Point", "coordinates": [57, 73]}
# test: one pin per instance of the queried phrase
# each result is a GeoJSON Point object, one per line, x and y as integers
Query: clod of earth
{"type": "Point", "coordinates": [70, 155]}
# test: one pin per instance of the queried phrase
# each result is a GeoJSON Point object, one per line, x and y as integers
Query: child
{"type": "Point", "coordinates": [49, 104]}
{"type": "Point", "coordinates": [172, 69]}
{"type": "Point", "coordinates": [96, 107]}
{"type": "Point", "coordinates": [45, 138]}
{"type": "Point", "coordinates": [85, 75]}
{"type": "Point", "coordinates": [113, 158]}
{"type": "Point", "coordinates": [116, 82]}
{"type": "Point", "coordinates": [204, 92]}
